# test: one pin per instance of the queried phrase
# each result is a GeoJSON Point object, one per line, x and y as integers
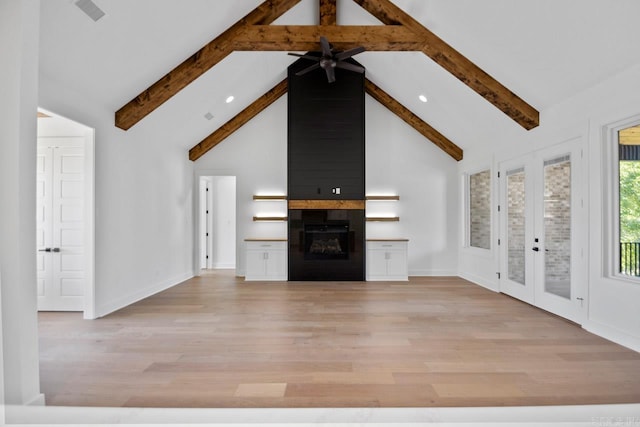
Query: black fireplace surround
{"type": "Point", "coordinates": [326, 168]}
{"type": "Point", "coordinates": [326, 244]}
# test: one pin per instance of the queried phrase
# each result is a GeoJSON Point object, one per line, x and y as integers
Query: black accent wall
{"type": "Point", "coordinates": [326, 135]}
{"type": "Point", "coordinates": [326, 132]}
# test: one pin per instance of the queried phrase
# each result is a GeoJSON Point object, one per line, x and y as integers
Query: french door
{"type": "Point", "coordinates": [541, 215]}
{"type": "Point", "coordinates": [60, 224]}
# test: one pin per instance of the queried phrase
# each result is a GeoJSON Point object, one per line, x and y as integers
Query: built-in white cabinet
{"type": "Point", "coordinates": [387, 259]}
{"type": "Point", "coordinates": [266, 259]}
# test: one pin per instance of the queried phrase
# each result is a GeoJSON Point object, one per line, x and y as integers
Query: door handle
{"type": "Point", "coordinates": [535, 248]}
{"type": "Point", "coordinates": [44, 250]}
{"type": "Point", "coordinates": [55, 250]}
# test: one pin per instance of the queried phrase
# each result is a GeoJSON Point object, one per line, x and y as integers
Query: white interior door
{"type": "Point", "coordinates": [61, 239]}
{"type": "Point", "coordinates": [541, 213]}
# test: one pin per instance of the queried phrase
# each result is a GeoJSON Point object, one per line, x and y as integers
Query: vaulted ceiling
{"type": "Point", "coordinates": [543, 52]}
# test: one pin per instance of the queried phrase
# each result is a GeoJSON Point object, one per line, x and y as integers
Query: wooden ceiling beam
{"type": "Point", "coordinates": [197, 64]}
{"type": "Point", "coordinates": [328, 12]}
{"type": "Point", "coordinates": [457, 64]}
{"type": "Point", "coordinates": [305, 37]}
{"type": "Point", "coordinates": [238, 121]}
{"type": "Point", "coordinates": [414, 121]}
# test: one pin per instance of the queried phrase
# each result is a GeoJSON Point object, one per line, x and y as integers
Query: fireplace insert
{"type": "Point", "coordinates": [326, 241]}
{"type": "Point", "coordinates": [326, 244]}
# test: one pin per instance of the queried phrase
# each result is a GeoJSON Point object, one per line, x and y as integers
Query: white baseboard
{"type": "Point", "coordinates": [516, 416]}
{"type": "Point", "coordinates": [432, 273]}
{"type": "Point", "coordinates": [480, 281]}
{"type": "Point", "coordinates": [224, 266]}
{"type": "Point", "coordinates": [38, 400]}
{"type": "Point", "coordinates": [612, 334]}
{"type": "Point", "coordinates": [104, 309]}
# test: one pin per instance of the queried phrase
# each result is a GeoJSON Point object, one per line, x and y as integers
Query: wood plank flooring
{"type": "Point", "coordinates": [217, 341]}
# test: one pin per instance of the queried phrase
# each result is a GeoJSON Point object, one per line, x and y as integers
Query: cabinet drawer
{"type": "Point", "coordinates": [271, 245]}
{"type": "Point", "coordinates": [389, 245]}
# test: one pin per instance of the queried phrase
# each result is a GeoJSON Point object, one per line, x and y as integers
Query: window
{"type": "Point", "coordinates": [629, 201]}
{"type": "Point", "coordinates": [479, 214]}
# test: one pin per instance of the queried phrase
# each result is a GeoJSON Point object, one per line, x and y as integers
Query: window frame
{"type": "Point", "coordinates": [611, 198]}
{"type": "Point", "coordinates": [467, 210]}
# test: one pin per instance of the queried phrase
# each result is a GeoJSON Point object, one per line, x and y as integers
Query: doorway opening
{"type": "Point", "coordinates": [65, 215]}
{"type": "Point", "coordinates": [217, 222]}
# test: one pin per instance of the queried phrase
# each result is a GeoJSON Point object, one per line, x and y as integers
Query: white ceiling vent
{"type": "Point", "coordinates": [91, 9]}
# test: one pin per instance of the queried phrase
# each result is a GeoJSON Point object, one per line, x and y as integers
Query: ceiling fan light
{"type": "Point", "coordinates": [422, 98]}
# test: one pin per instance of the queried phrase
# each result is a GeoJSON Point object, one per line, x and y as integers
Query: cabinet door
{"type": "Point", "coordinates": [255, 267]}
{"type": "Point", "coordinates": [396, 263]}
{"type": "Point", "coordinates": [276, 265]}
{"type": "Point", "coordinates": [376, 263]}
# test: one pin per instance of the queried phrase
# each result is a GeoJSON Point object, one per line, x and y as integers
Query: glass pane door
{"type": "Point", "coordinates": [516, 229]}
{"type": "Point", "coordinates": [542, 253]}
{"type": "Point", "coordinates": [516, 225]}
{"type": "Point", "coordinates": [557, 226]}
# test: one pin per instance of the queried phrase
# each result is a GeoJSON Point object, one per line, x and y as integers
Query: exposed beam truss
{"type": "Point", "coordinates": [416, 122]}
{"type": "Point", "coordinates": [457, 64]}
{"type": "Point", "coordinates": [281, 88]}
{"type": "Point", "coordinates": [400, 32]}
{"type": "Point", "coordinates": [197, 64]}
{"type": "Point", "coordinates": [328, 12]}
{"type": "Point", "coordinates": [238, 121]}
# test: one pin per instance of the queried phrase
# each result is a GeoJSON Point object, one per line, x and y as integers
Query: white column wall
{"type": "Point", "coordinates": [19, 33]}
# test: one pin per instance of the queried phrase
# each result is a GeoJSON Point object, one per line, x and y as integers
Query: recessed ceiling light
{"type": "Point", "coordinates": [229, 99]}
{"type": "Point", "coordinates": [422, 98]}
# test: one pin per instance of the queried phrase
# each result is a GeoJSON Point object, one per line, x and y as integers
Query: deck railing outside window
{"type": "Point", "coordinates": [630, 258]}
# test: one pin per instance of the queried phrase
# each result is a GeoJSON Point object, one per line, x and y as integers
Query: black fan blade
{"type": "Point", "coordinates": [331, 74]}
{"type": "Point", "coordinates": [312, 58]}
{"type": "Point", "coordinates": [349, 53]}
{"type": "Point", "coordinates": [306, 70]}
{"type": "Point", "coordinates": [326, 48]}
{"type": "Point", "coordinates": [350, 67]}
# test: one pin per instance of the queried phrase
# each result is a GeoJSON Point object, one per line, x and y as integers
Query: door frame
{"type": "Point", "coordinates": [576, 308]}
{"type": "Point", "coordinates": [197, 210]}
{"type": "Point", "coordinates": [89, 311]}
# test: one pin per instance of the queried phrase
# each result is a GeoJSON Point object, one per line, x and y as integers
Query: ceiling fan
{"type": "Point", "coordinates": [330, 60]}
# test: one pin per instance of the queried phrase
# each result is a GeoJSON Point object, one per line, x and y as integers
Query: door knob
{"type": "Point", "coordinates": [44, 250]}
{"type": "Point", "coordinates": [55, 250]}
{"type": "Point", "coordinates": [535, 248]}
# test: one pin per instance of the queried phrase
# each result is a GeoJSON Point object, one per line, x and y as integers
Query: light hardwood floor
{"type": "Point", "coordinates": [217, 341]}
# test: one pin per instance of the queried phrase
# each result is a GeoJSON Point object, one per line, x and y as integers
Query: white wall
{"type": "Point", "coordinates": [256, 155]}
{"type": "Point", "coordinates": [19, 31]}
{"type": "Point", "coordinates": [223, 221]}
{"type": "Point", "coordinates": [399, 161]}
{"type": "Point", "coordinates": [612, 303]}
{"type": "Point", "coordinates": [143, 199]}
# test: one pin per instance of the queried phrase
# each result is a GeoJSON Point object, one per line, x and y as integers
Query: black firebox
{"type": "Point", "coordinates": [326, 244]}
